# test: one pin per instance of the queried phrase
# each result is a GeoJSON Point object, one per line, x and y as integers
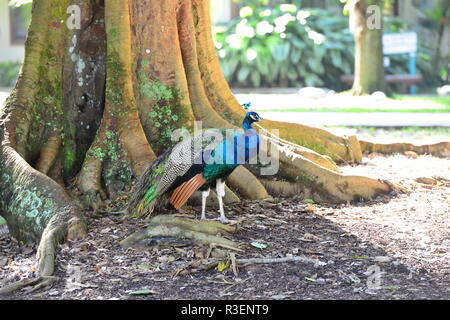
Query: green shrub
{"type": "Point", "coordinates": [287, 47]}
{"type": "Point", "coordinates": [8, 73]}
{"type": "Point", "coordinates": [283, 46]}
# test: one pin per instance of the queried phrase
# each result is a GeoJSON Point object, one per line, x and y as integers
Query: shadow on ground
{"type": "Point", "coordinates": [355, 269]}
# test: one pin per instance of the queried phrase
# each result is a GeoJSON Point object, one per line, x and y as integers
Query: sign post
{"type": "Point", "coordinates": [401, 43]}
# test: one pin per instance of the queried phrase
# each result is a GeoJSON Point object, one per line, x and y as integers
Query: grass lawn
{"type": "Point", "coordinates": [344, 102]}
{"type": "Point", "coordinates": [417, 135]}
{"type": "Point", "coordinates": [445, 101]}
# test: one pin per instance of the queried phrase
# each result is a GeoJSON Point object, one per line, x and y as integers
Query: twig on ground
{"type": "Point", "coordinates": [198, 266]}
{"type": "Point", "coordinates": [316, 262]}
{"type": "Point", "coordinates": [236, 283]}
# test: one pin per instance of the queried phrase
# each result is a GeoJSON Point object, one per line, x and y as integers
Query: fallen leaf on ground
{"type": "Point", "coordinates": [259, 245]}
{"type": "Point", "coordinates": [142, 292]}
{"type": "Point", "coordinates": [222, 266]}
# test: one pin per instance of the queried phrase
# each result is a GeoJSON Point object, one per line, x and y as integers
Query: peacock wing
{"type": "Point", "coordinates": [161, 174]}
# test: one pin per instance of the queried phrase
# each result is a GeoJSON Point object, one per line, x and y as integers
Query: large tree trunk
{"type": "Point", "coordinates": [94, 106]}
{"type": "Point", "coordinates": [367, 28]}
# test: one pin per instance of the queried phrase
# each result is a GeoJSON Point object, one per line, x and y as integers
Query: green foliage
{"type": "Point", "coordinates": [285, 46]}
{"type": "Point", "coordinates": [8, 73]}
{"type": "Point", "coordinates": [290, 46]}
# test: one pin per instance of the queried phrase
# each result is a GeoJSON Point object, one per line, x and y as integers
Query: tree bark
{"type": "Point", "coordinates": [368, 33]}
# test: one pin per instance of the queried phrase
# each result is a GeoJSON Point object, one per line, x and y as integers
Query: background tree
{"type": "Point", "coordinates": [366, 23]}
{"type": "Point", "coordinates": [95, 104]}
{"type": "Point", "coordinates": [440, 15]}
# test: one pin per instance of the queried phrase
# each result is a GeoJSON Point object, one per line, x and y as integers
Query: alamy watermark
{"type": "Point", "coordinates": [73, 281]}
{"type": "Point", "coordinates": [374, 17]}
{"type": "Point", "coordinates": [230, 147]}
{"type": "Point", "coordinates": [374, 277]}
{"type": "Point", "coordinates": [74, 20]}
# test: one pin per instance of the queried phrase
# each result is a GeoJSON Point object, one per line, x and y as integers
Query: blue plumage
{"type": "Point", "coordinates": [177, 174]}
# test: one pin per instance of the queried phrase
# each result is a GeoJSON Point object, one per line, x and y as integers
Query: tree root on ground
{"type": "Point", "coordinates": [55, 232]}
{"type": "Point", "coordinates": [441, 149]}
{"type": "Point", "coordinates": [322, 160]}
{"type": "Point", "coordinates": [36, 283]}
{"type": "Point", "coordinates": [200, 232]}
{"type": "Point", "coordinates": [328, 185]}
{"type": "Point", "coordinates": [230, 197]}
{"type": "Point", "coordinates": [247, 184]}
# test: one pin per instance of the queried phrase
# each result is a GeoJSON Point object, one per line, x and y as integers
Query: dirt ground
{"type": "Point", "coordinates": [394, 247]}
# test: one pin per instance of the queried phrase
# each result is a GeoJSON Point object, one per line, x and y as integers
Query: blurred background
{"type": "Point", "coordinates": [289, 59]}
{"type": "Point", "coordinates": [308, 43]}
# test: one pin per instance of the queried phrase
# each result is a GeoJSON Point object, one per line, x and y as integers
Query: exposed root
{"type": "Point", "coordinates": [46, 253]}
{"type": "Point", "coordinates": [230, 197]}
{"type": "Point", "coordinates": [49, 153]}
{"type": "Point", "coordinates": [208, 227]}
{"type": "Point", "coordinates": [354, 149]}
{"type": "Point", "coordinates": [36, 284]}
{"type": "Point", "coordinates": [290, 189]}
{"type": "Point", "coordinates": [200, 232]}
{"type": "Point", "coordinates": [441, 149]}
{"type": "Point", "coordinates": [54, 233]}
{"type": "Point", "coordinates": [333, 186]}
{"type": "Point", "coordinates": [322, 160]}
{"type": "Point", "coordinates": [395, 187]}
{"type": "Point", "coordinates": [89, 183]}
{"type": "Point", "coordinates": [247, 185]}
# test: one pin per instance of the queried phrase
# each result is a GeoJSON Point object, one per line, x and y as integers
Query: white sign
{"type": "Point", "coordinates": [395, 43]}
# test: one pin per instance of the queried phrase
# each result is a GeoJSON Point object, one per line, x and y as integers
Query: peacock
{"type": "Point", "coordinates": [185, 168]}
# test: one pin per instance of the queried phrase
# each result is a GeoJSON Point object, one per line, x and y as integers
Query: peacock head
{"type": "Point", "coordinates": [251, 117]}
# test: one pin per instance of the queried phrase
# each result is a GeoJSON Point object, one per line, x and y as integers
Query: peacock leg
{"type": "Point", "coordinates": [205, 195]}
{"type": "Point", "coordinates": [220, 190]}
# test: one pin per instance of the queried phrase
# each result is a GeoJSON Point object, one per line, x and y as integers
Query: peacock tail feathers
{"type": "Point", "coordinates": [143, 199]}
{"type": "Point", "coordinates": [162, 173]}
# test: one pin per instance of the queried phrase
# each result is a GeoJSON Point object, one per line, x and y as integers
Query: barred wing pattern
{"type": "Point", "coordinates": [159, 177]}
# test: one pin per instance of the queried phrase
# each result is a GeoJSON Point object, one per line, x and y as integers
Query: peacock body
{"type": "Point", "coordinates": [197, 163]}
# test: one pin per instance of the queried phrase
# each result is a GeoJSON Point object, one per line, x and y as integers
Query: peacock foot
{"type": "Point", "coordinates": [225, 220]}
{"type": "Point", "coordinates": [222, 220]}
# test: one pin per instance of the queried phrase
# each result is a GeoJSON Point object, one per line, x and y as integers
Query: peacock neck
{"type": "Point", "coordinates": [246, 125]}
